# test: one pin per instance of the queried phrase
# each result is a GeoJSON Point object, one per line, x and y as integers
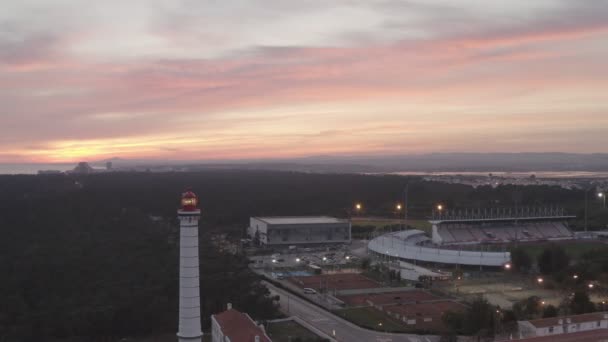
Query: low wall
{"type": "Point", "coordinates": [392, 246]}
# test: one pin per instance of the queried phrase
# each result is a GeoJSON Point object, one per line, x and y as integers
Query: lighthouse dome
{"type": "Point", "coordinates": [189, 201]}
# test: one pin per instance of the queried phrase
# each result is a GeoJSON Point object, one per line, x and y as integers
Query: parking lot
{"type": "Point", "coordinates": [323, 257]}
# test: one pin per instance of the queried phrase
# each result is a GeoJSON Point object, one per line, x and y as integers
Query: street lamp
{"type": "Point", "coordinates": [507, 267]}
{"type": "Point", "coordinates": [439, 207]}
{"type": "Point", "coordinates": [575, 276]}
{"type": "Point", "coordinates": [591, 286]}
{"type": "Point", "coordinates": [297, 259]}
{"type": "Point", "coordinates": [540, 280]}
{"type": "Point", "coordinates": [358, 206]}
{"type": "Point", "coordinates": [398, 206]}
{"type": "Point", "coordinates": [602, 196]}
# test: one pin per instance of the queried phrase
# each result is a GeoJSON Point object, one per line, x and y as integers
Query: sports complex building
{"type": "Point", "coordinates": [473, 238]}
{"type": "Point", "coordinates": [277, 231]}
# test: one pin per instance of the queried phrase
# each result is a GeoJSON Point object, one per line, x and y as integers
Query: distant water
{"type": "Point", "coordinates": [32, 169]}
{"type": "Point", "coordinates": [538, 174]}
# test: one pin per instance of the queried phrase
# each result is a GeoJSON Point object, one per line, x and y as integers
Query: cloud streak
{"type": "Point", "coordinates": [184, 88]}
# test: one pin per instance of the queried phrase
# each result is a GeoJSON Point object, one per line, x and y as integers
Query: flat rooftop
{"type": "Point", "coordinates": [598, 335]}
{"type": "Point", "coordinates": [554, 321]}
{"type": "Point", "coordinates": [300, 220]}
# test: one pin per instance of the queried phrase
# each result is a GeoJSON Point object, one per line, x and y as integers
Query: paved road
{"type": "Point", "coordinates": [335, 326]}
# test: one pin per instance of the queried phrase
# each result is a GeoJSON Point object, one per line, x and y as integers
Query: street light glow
{"type": "Point", "coordinates": [540, 280]}
{"type": "Point", "coordinates": [399, 206]}
{"type": "Point", "coordinates": [591, 286]}
{"type": "Point", "coordinates": [507, 266]}
{"type": "Point", "coordinates": [297, 259]}
{"type": "Point", "coordinates": [600, 195]}
{"type": "Point", "coordinates": [439, 207]}
{"type": "Point", "coordinates": [358, 206]}
{"type": "Point", "coordinates": [575, 276]}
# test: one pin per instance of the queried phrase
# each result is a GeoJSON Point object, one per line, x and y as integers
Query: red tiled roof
{"type": "Point", "coordinates": [553, 321]}
{"type": "Point", "coordinates": [239, 327]}
{"type": "Point", "coordinates": [600, 335]}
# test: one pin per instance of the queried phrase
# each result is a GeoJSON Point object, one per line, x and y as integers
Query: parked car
{"type": "Point", "coordinates": [308, 290]}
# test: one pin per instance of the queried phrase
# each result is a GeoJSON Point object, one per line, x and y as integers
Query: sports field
{"type": "Point", "coordinates": [340, 281]}
{"type": "Point", "coordinates": [503, 292]}
{"type": "Point", "coordinates": [388, 298]}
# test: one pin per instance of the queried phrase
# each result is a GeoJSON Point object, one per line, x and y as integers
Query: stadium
{"type": "Point", "coordinates": [473, 237]}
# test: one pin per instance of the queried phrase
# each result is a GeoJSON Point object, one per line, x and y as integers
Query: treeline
{"type": "Point", "coordinates": [95, 256]}
{"type": "Point", "coordinates": [232, 196]}
{"type": "Point", "coordinates": [82, 261]}
{"type": "Point", "coordinates": [559, 269]}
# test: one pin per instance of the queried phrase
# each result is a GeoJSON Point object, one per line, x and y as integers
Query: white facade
{"type": "Point", "coordinates": [400, 245]}
{"type": "Point", "coordinates": [299, 230]}
{"type": "Point", "coordinates": [217, 335]}
{"type": "Point", "coordinates": [563, 325]}
{"type": "Point", "coordinates": [189, 280]}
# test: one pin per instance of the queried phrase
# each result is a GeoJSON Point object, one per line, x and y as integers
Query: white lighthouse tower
{"type": "Point", "coordinates": [189, 281]}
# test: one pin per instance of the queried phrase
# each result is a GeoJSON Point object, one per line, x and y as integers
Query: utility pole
{"type": "Point", "coordinates": [405, 204]}
{"type": "Point", "coordinates": [586, 206]}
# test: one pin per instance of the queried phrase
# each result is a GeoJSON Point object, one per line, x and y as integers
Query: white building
{"type": "Point", "coordinates": [234, 326]}
{"type": "Point", "coordinates": [563, 325]}
{"type": "Point", "coordinates": [276, 231]}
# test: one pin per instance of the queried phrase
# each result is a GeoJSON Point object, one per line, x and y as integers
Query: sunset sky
{"type": "Point", "coordinates": [193, 79]}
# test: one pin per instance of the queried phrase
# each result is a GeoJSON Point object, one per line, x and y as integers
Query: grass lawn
{"type": "Point", "coordinates": [573, 249]}
{"type": "Point", "coordinates": [288, 331]}
{"type": "Point", "coordinates": [370, 318]}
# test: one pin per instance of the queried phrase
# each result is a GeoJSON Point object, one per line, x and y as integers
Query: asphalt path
{"type": "Point", "coordinates": [334, 326]}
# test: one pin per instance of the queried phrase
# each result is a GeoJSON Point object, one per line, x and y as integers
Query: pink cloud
{"type": "Point", "coordinates": [49, 96]}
